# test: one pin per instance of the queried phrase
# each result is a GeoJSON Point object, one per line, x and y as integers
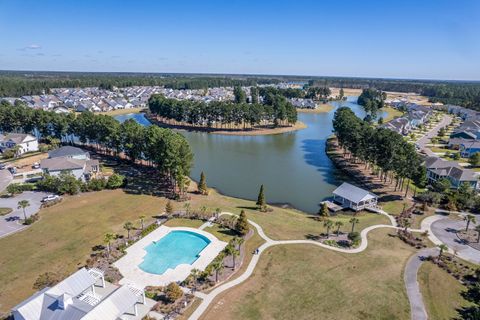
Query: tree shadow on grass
{"type": "Point", "coordinates": [248, 208]}
{"type": "Point", "coordinates": [314, 237]}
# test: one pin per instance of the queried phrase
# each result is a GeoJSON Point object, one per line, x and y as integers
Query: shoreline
{"type": "Point", "coordinates": [257, 131]}
{"type": "Point", "coordinates": [322, 108]}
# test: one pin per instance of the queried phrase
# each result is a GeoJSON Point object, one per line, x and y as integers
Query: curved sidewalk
{"type": "Point", "coordinates": [417, 307]}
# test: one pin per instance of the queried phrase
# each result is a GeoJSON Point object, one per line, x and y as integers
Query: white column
{"type": "Point", "coordinates": [143, 297]}
{"type": "Point", "coordinates": [93, 288]}
{"type": "Point", "coordinates": [135, 312]}
{"type": "Point", "coordinates": [103, 282]}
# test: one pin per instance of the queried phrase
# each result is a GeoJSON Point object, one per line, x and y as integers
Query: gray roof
{"type": "Point", "coordinates": [67, 151]}
{"type": "Point", "coordinates": [17, 137]}
{"type": "Point", "coordinates": [59, 164]}
{"type": "Point", "coordinates": [449, 168]}
{"type": "Point", "coordinates": [353, 193]}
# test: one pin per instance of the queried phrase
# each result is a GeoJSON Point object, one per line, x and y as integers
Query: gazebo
{"type": "Point", "coordinates": [355, 198]}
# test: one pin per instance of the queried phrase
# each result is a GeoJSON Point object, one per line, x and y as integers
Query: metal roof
{"type": "Point", "coordinates": [353, 193]}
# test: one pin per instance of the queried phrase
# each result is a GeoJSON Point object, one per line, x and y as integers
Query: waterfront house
{"type": "Point", "coordinates": [355, 198]}
{"type": "Point", "coordinates": [84, 295]}
{"type": "Point", "coordinates": [24, 142]}
{"type": "Point", "coordinates": [399, 125]}
{"type": "Point", "coordinates": [468, 148]}
{"type": "Point", "coordinates": [72, 160]}
{"type": "Point", "coordinates": [438, 168]}
{"type": "Point", "coordinates": [69, 152]}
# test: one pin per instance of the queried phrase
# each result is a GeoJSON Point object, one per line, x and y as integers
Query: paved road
{"type": "Point", "coordinates": [5, 178]}
{"type": "Point", "coordinates": [445, 230]}
{"type": "Point", "coordinates": [417, 307]}
{"type": "Point", "coordinates": [422, 142]}
{"type": "Point", "coordinates": [10, 223]}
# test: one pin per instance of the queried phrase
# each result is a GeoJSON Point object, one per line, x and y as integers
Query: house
{"type": "Point", "coordinates": [84, 295]}
{"type": "Point", "coordinates": [355, 198]}
{"type": "Point", "coordinates": [454, 143]}
{"type": "Point", "coordinates": [469, 148]}
{"type": "Point", "coordinates": [82, 169]}
{"type": "Point", "coordinates": [69, 152]}
{"type": "Point", "coordinates": [25, 142]}
{"type": "Point", "coordinates": [438, 168]}
{"type": "Point", "coordinates": [399, 125]}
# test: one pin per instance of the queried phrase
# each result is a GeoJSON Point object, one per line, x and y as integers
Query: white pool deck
{"type": "Point", "coordinates": [132, 274]}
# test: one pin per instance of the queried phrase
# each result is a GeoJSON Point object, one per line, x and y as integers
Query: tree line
{"type": "Point", "coordinates": [276, 110]}
{"type": "Point", "coordinates": [164, 149]}
{"type": "Point", "coordinates": [379, 147]}
{"type": "Point", "coordinates": [16, 84]}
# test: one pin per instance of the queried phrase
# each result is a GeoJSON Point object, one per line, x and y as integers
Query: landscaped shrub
{"type": "Point", "coordinates": [96, 184]}
{"type": "Point", "coordinates": [148, 229]}
{"type": "Point", "coordinates": [30, 220]}
{"type": "Point", "coordinates": [47, 279]}
{"type": "Point", "coordinates": [354, 237]}
{"type": "Point", "coordinates": [173, 292]}
{"type": "Point", "coordinates": [64, 183]}
{"type": "Point", "coordinates": [115, 181]}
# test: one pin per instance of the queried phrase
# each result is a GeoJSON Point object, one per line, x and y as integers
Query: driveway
{"type": "Point", "coordinates": [10, 222]}
{"type": "Point", "coordinates": [5, 179]}
{"type": "Point", "coordinates": [422, 142]}
{"type": "Point", "coordinates": [445, 231]}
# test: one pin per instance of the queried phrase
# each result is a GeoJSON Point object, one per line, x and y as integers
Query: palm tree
{"type": "Point", "coordinates": [328, 224]}
{"type": "Point", "coordinates": [217, 212]}
{"type": "Point", "coordinates": [23, 204]}
{"type": "Point", "coordinates": [217, 266]}
{"type": "Point", "coordinates": [238, 241]}
{"type": "Point", "coordinates": [469, 218]}
{"type": "Point", "coordinates": [108, 239]}
{"type": "Point", "coordinates": [442, 248]}
{"type": "Point", "coordinates": [195, 274]}
{"type": "Point", "coordinates": [354, 221]}
{"type": "Point", "coordinates": [477, 228]}
{"type": "Point", "coordinates": [230, 250]}
{"type": "Point", "coordinates": [186, 206]}
{"type": "Point", "coordinates": [142, 220]}
{"type": "Point", "coordinates": [338, 224]}
{"type": "Point", "coordinates": [128, 226]}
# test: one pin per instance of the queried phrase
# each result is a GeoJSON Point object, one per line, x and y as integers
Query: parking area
{"type": "Point", "coordinates": [10, 223]}
{"type": "Point", "coordinates": [5, 178]}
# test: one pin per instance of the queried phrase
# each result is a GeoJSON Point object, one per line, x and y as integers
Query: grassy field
{"type": "Point", "coordinates": [184, 223]}
{"type": "Point", "coordinates": [283, 224]}
{"type": "Point", "coordinates": [62, 240]}
{"type": "Point", "coordinates": [391, 113]}
{"type": "Point", "coordinates": [440, 291]}
{"type": "Point", "coordinates": [306, 282]}
{"type": "Point", "coordinates": [5, 211]}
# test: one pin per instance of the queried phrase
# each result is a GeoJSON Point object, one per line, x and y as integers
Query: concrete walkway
{"type": "Point", "coordinates": [417, 307]}
{"type": "Point", "coordinates": [5, 179]}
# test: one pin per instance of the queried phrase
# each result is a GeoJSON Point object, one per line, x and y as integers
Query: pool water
{"type": "Point", "coordinates": [177, 247]}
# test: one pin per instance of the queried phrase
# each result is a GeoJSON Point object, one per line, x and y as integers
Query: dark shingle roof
{"type": "Point", "coordinates": [66, 151]}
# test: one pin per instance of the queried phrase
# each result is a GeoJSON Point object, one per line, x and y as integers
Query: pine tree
{"type": "Point", "coordinates": [261, 202]}
{"type": "Point", "coordinates": [241, 226]}
{"type": "Point", "coordinates": [169, 208]}
{"type": "Point", "coordinates": [202, 185]}
{"type": "Point", "coordinates": [324, 212]}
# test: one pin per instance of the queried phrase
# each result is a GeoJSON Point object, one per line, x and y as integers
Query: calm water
{"type": "Point", "coordinates": [293, 166]}
{"type": "Point", "coordinates": [177, 247]}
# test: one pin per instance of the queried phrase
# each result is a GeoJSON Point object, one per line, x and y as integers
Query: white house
{"type": "Point", "coordinates": [26, 142]}
{"type": "Point", "coordinates": [84, 295]}
{"type": "Point", "coordinates": [355, 198]}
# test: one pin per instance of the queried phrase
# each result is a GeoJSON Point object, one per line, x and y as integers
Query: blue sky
{"type": "Point", "coordinates": [434, 39]}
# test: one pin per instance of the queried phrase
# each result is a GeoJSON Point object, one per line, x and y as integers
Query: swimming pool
{"type": "Point", "coordinates": [175, 248]}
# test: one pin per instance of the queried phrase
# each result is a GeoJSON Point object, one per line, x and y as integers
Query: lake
{"type": "Point", "coordinates": [292, 166]}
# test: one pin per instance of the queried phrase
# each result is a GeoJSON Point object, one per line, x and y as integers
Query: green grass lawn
{"type": "Point", "coordinates": [5, 211]}
{"type": "Point", "coordinates": [440, 291]}
{"type": "Point", "coordinates": [222, 234]}
{"type": "Point", "coordinates": [63, 238]}
{"type": "Point", "coordinates": [391, 113]}
{"type": "Point", "coordinates": [180, 222]}
{"type": "Point", "coordinates": [307, 282]}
